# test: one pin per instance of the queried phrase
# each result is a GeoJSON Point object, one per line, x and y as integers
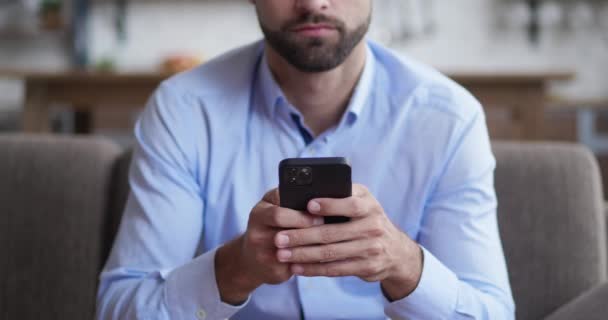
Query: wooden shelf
{"type": "Point", "coordinates": [14, 33]}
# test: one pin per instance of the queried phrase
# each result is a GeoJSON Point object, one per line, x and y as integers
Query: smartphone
{"type": "Point", "coordinates": [304, 179]}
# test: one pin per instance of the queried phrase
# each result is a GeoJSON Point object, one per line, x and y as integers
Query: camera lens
{"type": "Point", "coordinates": [298, 176]}
{"type": "Point", "coordinates": [305, 176]}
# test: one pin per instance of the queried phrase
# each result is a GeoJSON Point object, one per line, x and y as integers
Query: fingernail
{"type": "Point", "coordinates": [297, 269]}
{"type": "Point", "coordinates": [318, 221]}
{"type": "Point", "coordinates": [284, 255]}
{"type": "Point", "coordinates": [282, 240]}
{"type": "Point", "coordinates": [314, 206]}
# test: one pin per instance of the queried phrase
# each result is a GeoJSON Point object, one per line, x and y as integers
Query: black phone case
{"type": "Point", "coordinates": [329, 178]}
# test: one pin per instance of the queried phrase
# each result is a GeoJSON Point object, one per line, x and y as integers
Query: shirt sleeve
{"type": "Point", "coordinates": [464, 272]}
{"type": "Point", "coordinates": [152, 271]}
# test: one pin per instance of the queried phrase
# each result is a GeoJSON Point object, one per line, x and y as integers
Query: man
{"type": "Point", "coordinates": [196, 241]}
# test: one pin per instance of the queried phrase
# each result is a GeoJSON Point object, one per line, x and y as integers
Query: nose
{"type": "Point", "coordinates": [312, 5]}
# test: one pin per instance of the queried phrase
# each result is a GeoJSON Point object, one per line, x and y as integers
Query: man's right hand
{"type": "Point", "coordinates": [250, 260]}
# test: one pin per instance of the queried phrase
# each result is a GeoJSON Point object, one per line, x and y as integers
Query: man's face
{"type": "Point", "coordinates": [314, 35]}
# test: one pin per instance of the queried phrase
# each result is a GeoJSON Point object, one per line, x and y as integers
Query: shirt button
{"type": "Point", "coordinates": [201, 314]}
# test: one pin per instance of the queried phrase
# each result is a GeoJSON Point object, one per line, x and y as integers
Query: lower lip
{"type": "Point", "coordinates": [315, 32]}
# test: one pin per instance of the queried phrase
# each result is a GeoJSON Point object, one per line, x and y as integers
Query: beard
{"type": "Point", "coordinates": [315, 54]}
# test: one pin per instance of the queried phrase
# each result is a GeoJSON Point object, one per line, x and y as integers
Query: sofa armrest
{"type": "Point", "coordinates": [591, 305]}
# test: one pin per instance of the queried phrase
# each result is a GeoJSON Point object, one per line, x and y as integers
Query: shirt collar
{"type": "Point", "coordinates": [272, 95]}
{"type": "Point", "coordinates": [274, 99]}
{"type": "Point", "coordinates": [364, 87]}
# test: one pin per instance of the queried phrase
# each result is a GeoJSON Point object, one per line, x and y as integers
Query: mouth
{"type": "Point", "coordinates": [314, 30]}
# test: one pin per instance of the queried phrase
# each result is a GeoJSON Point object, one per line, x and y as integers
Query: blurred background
{"type": "Point", "coordinates": [88, 66]}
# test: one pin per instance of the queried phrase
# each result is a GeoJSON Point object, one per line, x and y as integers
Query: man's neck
{"type": "Point", "coordinates": [322, 97]}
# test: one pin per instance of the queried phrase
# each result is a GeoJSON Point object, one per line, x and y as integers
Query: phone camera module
{"type": "Point", "coordinates": [299, 176]}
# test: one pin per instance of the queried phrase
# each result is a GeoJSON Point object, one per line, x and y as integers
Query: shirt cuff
{"type": "Point", "coordinates": [435, 297]}
{"type": "Point", "coordinates": [192, 291]}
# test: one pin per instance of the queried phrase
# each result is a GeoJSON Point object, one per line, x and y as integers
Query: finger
{"type": "Point", "coordinates": [326, 234]}
{"type": "Point", "coordinates": [285, 218]}
{"type": "Point", "coordinates": [352, 207]}
{"type": "Point", "coordinates": [272, 197]}
{"type": "Point", "coordinates": [261, 238]}
{"type": "Point", "coordinates": [330, 252]}
{"type": "Point", "coordinates": [363, 268]}
{"type": "Point", "coordinates": [360, 191]}
{"type": "Point", "coordinates": [267, 257]}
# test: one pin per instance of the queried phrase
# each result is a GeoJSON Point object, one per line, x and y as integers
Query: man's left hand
{"type": "Point", "coordinates": [369, 246]}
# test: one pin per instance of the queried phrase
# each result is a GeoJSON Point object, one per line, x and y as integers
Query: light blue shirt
{"type": "Point", "coordinates": [209, 144]}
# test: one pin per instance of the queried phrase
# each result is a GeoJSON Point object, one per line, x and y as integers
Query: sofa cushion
{"type": "Point", "coordinates": [54, 193]}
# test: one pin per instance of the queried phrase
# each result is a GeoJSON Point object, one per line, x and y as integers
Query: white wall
{"type": "Point", "coordinates": [470, 34]}
{"type": "Point", "coordinates": [482, 35]}
{"type": "Point", "coordinates": [162, 28]}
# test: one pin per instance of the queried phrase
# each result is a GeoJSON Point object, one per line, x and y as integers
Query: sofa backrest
{"type": "Point", "coordinates": [54, 243]}
{"type": "Point", "coordinates": [551, 218]}
{"type": "Point", "coordinates": [53, 202]}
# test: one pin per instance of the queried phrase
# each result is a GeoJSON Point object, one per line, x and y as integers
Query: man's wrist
{"type": "Point", "coordinates": [233, 283]}
{"type": "Point", "coordinates": [404, 281]}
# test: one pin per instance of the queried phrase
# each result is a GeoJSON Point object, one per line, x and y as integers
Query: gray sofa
{"type": "Point", "coordinates": [61, 199]}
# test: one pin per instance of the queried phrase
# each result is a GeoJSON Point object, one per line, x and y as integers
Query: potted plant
{"type": "Point", "coordinates": [50, 14]}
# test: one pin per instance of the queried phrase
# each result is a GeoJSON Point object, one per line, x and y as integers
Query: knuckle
{"type": "Point", "coordinates": [356, 207]}
{"type": "Point", "coordinates": [268, 195]}
{"type": "Point", "coordinates": [329, 254]}
{"type": "Point", "coordinates": [294, 238]}
{"type": "Point", "coordinates": [370, 269]}
{"type": "Point", "coordinates": [363, 188]}
{"type": "Point", "coordinates": [376, 268]}
{"type": "Point", "coordinates": [276, 214]}
{"type": "Point", "coordinates": [375, 249]}
{"type": "Point", "coordinates": [377, 207]}
{"type": "Point", "coordinates": [327, 235]}
{"type": "Point", "coordinates": [256, 208]}
{"type": "Point", "coordinates": [274, 196]}
{"type": "Point", "coordinates": [304, 221]}
{"type": "Point", "coordinates": [373, 278]}
{"type": "Point", "coordinates": [256, 212]}
{"type": "Point", "coordinates": [271, 196]}
{"type": "Point", "coordinates": [375, 229]}
{"type": "Point", "coordinates": [360, 188]}
{"type": "Point", "coordinates": [255, 237]}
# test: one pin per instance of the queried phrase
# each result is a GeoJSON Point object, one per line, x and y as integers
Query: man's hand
{"type": "Point", "coordinates": [250, 260]}
{"type": "Point", "coordinates": [369, 246]}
